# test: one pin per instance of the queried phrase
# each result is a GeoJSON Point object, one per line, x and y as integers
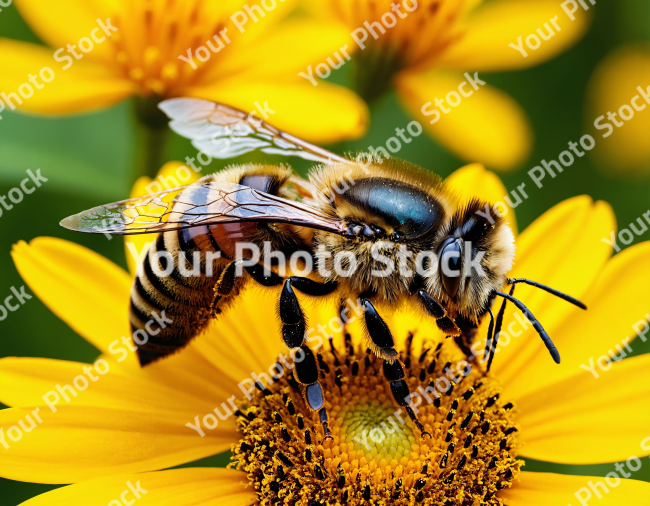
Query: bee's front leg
{"type": "Point", "coordinates": [384, 344]}
{"type": "Point", "coordinates": [434, 309]}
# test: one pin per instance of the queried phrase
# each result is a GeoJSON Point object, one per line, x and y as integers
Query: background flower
{"type": "Point", "coordinates": [153, 50]}
{"type": "Point", "coordinates": [425, 51]}
{"type": "Point", "coordinates": [614, 84]}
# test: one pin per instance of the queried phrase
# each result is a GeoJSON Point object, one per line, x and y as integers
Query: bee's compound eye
{"type": "Point", "coordinates": [450, 265]}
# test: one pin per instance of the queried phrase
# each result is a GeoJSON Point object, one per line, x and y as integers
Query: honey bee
{"type": "Point", "coordinates": [345, 209]}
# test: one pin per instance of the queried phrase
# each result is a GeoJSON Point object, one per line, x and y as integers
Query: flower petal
{"type": "Point", "coordinates": [488, 127]}
{"type": "Point", "coordinates": [66, 21]}
{"type": "Point", "coordinates": [490, 30]}
{"type": "Point", "coordinates": [614, 84]}
{"type": "Point", "coordinates": [474, 181]}
{"type": "Point", "coordinates": [27, 381]}
{"type": "Point", "coordinates": [174, 487]}
{"type": "Point", "coordinates": [562, 249]}
{"type": "Point", "coordinates": [78, 443]}
{"type": "Point", "coordinates": [301, 42]}
{"type": "Point", "coordinates": [584, 420]}
{"type": "Point", "coordinates": [88, 292]}
{"type": "Point", "coordinates": [325, 114]}
{"type": "Point", "coordinates": [621, 289]}
{"type": "Point", "coordinates": [547, 489]}
{"type": "Point", "coordinates": [82, 87]}
{"type": "Point", "coordinates": [239, 350]}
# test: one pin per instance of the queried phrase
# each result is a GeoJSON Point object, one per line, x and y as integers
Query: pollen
{"type": "Point", "coordinates": [372, 427]}
{"type": "Point", "coordinates": [377, 455]}
{"type": "Point", "coordinates": [151, 36]}
{"type": "Point", "coordinates": [387, 43]}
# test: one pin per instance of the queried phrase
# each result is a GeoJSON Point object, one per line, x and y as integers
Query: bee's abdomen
{"type": "Point", "coordinates": [175, 279]}
{"type": "Point", "coordinates": [178, 275]}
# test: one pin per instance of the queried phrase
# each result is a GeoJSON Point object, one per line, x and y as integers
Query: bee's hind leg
{"type": "Point", "coordinates": [293, 325]}
{"type": "Point", "coordinates": [293, 333]}
{"type": "Point", "coordinates": [384, 344]}
{"type": "Point", "coordinates": [225, 285]}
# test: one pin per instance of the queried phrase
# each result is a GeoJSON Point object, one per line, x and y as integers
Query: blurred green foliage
{"type": "Point", "coordinates": [88, 161]}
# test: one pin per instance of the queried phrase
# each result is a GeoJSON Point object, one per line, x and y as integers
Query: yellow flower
{"type": "Point", "coordinates": [141, 41]}
{"type": "Point", "coordinates": [424, 52]}
{"type": "Point", "coordinates": [614, 88]}
{"type": "Point", "coordinates": [113, 434]}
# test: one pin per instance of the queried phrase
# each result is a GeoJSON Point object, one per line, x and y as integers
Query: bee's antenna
{"type": "Point", "coordinates": [488, 343]}
{"type": "Point", "coordinates": [536, 325]}
{"type": "Point", "coordinates": [550, 290]}
{"type": "Point", "coordinates": [497, 329]}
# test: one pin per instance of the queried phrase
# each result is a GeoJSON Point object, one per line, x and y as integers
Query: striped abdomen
{"type": "Point", "coordinates": [180, 271]}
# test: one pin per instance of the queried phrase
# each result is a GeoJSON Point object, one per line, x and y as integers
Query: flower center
{"type": "Point", "coordinates": [377, 454]}
{"type": "Point", "coordinates": [374, 429]}
{"type": "Point", "coordinates": [152, 34]}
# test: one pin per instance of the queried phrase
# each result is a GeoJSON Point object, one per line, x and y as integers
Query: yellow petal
{"type": "Point", "coordinates": [490, 30]}
{"type": "Point", "coordinates": [239, 350]}
{"type": "Point", "coordinates": [300, 42]}
{"type": "Point", "coordinates": [487, 127]}
{"type": "Point", "coordinates": [325, 113]}
{"type": "Point", "coordinates": [621, 289]}
{"type": "Point", "coordinates": [88, 292]}
{"type": "Point", "coordinates": [84, 86]}
{"type": "Point", "coordinates": [78, 443]}
{"type": "Point", "coordinates": [171, 175]}
{"type": "Point", "coordinates": [174, 487]}
{"type": "Point", "coordinates": [66, 21]}
{"type": "Point", "coordinates": [588, 420]}
{"type": "Point", "coordinates": [474, 181]}
{"type": "Point", "coordinates": [547, 489]}
{"type": "Point", "coordinates": [255, 31]}
{"type": "Point", "coordinates": [28, 381]}
{"type": "Point", "coordinates": [613, 86]}
{"type": "Point", "coordinates": [561, 249]}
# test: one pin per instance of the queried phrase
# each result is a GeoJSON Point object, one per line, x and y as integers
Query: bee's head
{"type": "Point", "coordinates": [475, 250]}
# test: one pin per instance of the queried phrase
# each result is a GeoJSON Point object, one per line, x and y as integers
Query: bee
{"type": "Point", "coordinates": [372, 211]}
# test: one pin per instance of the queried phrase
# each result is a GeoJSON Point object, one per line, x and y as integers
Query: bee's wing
{"type": "Point", "coordinates": [209, 203]}
{"type": "Point", "coordinates": [225, 132]}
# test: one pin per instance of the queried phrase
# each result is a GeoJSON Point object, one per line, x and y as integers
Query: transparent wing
{"type": "Point", "coordinates": [226, 132]}
{"type": "Point", "coordinates": [206, 204]}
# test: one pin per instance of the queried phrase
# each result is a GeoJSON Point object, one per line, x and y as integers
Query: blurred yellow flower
{"type": "Point", "coordinates": [612, 89]}
{"type": "Point", "coordinates": [113, 435]}
{"type": "Point", "coordinates": [421, 47]}
{"type": "Point", "coordinates": [103, 51]}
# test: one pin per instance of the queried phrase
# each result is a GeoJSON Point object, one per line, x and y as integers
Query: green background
{"type": "Point", "coordinates": [88, 160]}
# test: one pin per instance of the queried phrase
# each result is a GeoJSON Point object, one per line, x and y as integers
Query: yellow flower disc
{"type": "Point", "coordinates": [377, 454]}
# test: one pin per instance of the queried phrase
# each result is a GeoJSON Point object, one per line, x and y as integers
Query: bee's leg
{"type": "Point", "coordinates": [293, 319]}
{"type": "Point", "coordinates": [307, 373]}
{"type": "Point", "coordinates": [225, 285]}
{"type": "Point", "coordinates": [394, 374]}
{"type": "Point", "coordinates": [434, 309]}
{"type": "Point", "coordinates": [293, 333]}
{"type": "Point", "coordinates": [382, 339]}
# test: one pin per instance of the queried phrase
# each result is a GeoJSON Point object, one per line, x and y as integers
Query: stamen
{"type": "Point", "coordinates": [466, 421]}
{"type": "Point", "coordinates": [368, 450]}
